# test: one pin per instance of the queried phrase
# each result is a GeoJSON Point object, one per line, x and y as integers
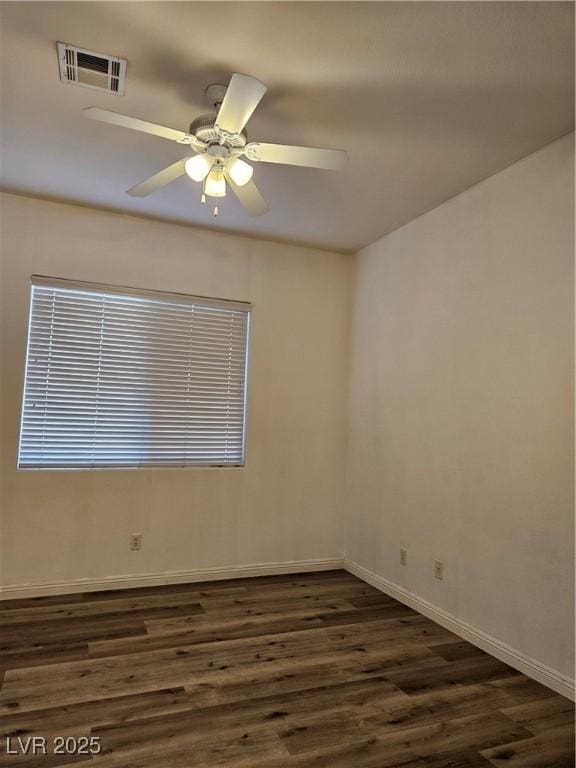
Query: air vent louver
{"type": "Point", "coordinates": [91, 69]}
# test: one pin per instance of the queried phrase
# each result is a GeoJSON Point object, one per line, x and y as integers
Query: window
{"type": "Point", "coordinates": [125, 378]}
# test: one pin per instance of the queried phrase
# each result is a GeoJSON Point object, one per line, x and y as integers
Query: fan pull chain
{"type": "Point", "coordinates": [203, 199]}
{"type": "Point", "coordinates": [216, 211]}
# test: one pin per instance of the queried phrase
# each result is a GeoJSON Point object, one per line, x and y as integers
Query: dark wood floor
{"type": "Point", "coordinates": [275, 672]}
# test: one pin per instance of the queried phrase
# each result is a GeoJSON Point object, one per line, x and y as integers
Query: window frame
{"type": "Point", "coordinates": [177, 297]}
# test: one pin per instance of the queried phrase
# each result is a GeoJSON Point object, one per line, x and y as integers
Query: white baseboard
{"type": "Point", "coordinates": [553, 679]}
{"type": "Point", "coordinates": [125, 581]}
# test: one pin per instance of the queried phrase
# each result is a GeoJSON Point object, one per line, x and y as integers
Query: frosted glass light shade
{"type": "Point", "coordinates": [240, 172]}
{"type": "Point", "coordinates": [215, 184]}
{"type": "Point", "coordinates": [198, 167]}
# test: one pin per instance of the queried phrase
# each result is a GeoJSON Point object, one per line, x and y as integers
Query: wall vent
{"type": "Point", "coordinates": [92, 70]}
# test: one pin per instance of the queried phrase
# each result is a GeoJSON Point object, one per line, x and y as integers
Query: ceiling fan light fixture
{"type": "Point", "coordinates": [218, 140]}
{"type": "Point", "coordinates": [215, 184]}
{"type": "Point", "coordinates": [198, 167]}
{"type": "Point", "coordinates": [240, 172]}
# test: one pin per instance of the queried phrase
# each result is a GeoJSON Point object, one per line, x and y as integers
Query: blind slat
{"type": "Point", "coordinates": [119, 379]}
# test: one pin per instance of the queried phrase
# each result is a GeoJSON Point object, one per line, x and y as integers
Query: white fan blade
{"type": "Point", "coordinates": [242, 97]}
{"type": "Point", "coordinates": [249, 196]}
{"type": "Point", "coordinates": [105, 116]}
{"type": "Point", "coordinates": [327, 159]}
{"type": "Point", "coordinates": [159, 179]}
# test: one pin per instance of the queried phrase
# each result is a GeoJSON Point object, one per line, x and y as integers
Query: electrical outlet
{"type": "Point", "coordinates": [403, 556]}
{"type": "Point", "coordinates": [135, 541]}
{"type": "Point", "coordinates": [439, 569]}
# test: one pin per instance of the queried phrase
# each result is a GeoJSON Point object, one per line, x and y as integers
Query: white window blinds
{"type": "Point", "coordinates": [123, 378]}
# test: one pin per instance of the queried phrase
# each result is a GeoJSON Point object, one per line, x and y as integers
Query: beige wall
{"type": "Point", "coordinates": [461, 409]}
{"type": "Point", "coordinates": [284, 506]}
{"type": "Point", "coordinates": [460, 406]}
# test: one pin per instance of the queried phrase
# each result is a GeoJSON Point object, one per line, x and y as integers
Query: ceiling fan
{"type": "Point", "coordinates": [220, 141]}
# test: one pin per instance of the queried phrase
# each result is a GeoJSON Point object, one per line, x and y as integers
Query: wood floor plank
{"type": "Point", "coordinates": [244, 749]}
{"type": "Point", "coordinates": [98, 712]}
{"type": "Point", "coordinates": [317, 639]}
{"type": "Point", "coordinates": [71, 631]}
{"type": "Point", "coordinates": [212, 631]}
{"type": "Point", "coordinates": [291, 591]}
{"type": "Point", "coordinates": [296, 671]}
{"type": "Point", "coordinates": [73, 682]}
{"type": "Point", "coordinates": [266, 682]}
{"type": "Point", "coordinates": [544, 716]}
{"type": "Point", "coordinates": [279, 709]}
{"type": "Point", "coordinates": [467, 759]}
{"type": "Point", "coordinates": [473, 733]}
{"type": "Point", "coordinates": [42, 655]}
{"type": "Point", "coordinates": [37, 602]}
{"type": "Point", "coordinates": [413, 622]}
{"type": "Point", "coordinates": [373, 613]}
{"type": "Point", "coordinates": [520, 689]}
{"type": "Point", "coordinates": [373, 599]}
{"type": "Point", "coordinates": [245, 608]}
{"type": "Point", "coordinates": [399, 713]}
{"type": "Point", "coordinates": [462, 671]}
{"type": "Point", "coordinates": [458, 650]}
{"type": "Point", "coordinates": [365, 753]}
{"type": "Point", "coordinates": [160, 605]}
{"type": "Point", "coordinates": [320, 705]}
{"type": "Point", "coordinates": [535, 752]}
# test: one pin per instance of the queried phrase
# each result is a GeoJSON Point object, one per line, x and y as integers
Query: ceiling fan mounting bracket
{"type": "Point", "coordinates": [215, 94]}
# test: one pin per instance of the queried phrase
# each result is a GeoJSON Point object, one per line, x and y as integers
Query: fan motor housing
{"type": "Point", "coordinates": [203, 128]}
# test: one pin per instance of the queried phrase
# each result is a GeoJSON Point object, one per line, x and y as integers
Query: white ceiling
{"type": "Point", "coordinates": [427, 98]}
